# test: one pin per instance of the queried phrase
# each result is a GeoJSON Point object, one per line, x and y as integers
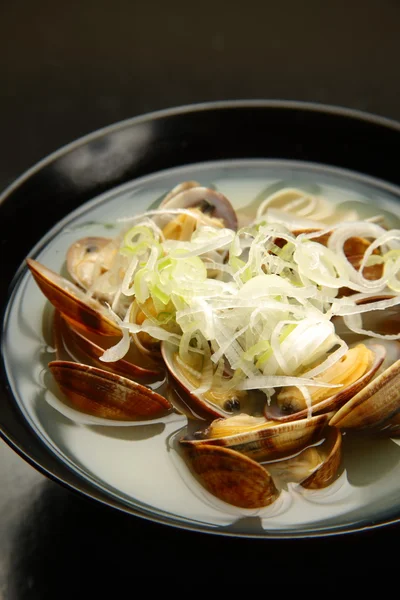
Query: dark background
{"type": "Point", "coordinates": [68, 68]}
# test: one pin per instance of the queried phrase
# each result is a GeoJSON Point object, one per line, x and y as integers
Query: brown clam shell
{"type": "Point", "coordinates": [206, 200]}
{"type": "Point", "coordinates": [231, 477]}
{"type": "Point", "coordinates": [181, 187]}
{"type": "Point", "coordinates": [196, 405]}
{"type": "Point", "coordinates": [270, 442]}
{"type": "Point", "coordinates": [327, 471]}
{"type": "Point", "coordinates": [183, 402]}
{"type": "Point", "coordinates": [375, 408]}
{"type": "Point", "coordinates": [68, 298]}
{"type": "Point", "coordinates": [315, 467]}
{"type": "Point", "coordinates": [335, 401]}
{"type": "Point", "coordinates": [83, 349]}
{"type": "Point", "coordinates": [104, 394]}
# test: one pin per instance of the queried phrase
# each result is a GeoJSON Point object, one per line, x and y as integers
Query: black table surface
{"type": "Point", "coordinates": [70, 68]}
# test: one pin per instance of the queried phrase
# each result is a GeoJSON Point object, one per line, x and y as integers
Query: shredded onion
{"type": "Point", "coordinates": [259, 300]}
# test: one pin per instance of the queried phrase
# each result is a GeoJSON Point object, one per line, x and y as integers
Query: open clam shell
{"type": "Point", "coordinates": [267, 441]}
{"type": "Point", "coordinates": [334, 402]}
{"type": "Point", "coordinates": [103, 394]}
{"type": "Point", "coordinates": [327, 471]}
{"type": "Point", "coordinates": [315, 467]}
{"type": "Point", "coordinates": [181, 187]}
{"type": "Point", "coordinates": [199, 405]}
{"type": "Point", "coordinates": [376, 407]}
{"type": "Point", "coordinates": [183, 403]}
{"type": "Point", "coordinates": [207, 200]}
{"type": "Point", "coordinates": [231, 477]}
{"type": "Point", "coordinates": [87, 256]}
{"type": "Point", "coordinates": [81, 348]}
{"type": "Point", "coordinates": [84, 312]}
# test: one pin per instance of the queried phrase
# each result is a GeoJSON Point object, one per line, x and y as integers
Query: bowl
{"type": "Point", "coordinates": [125, 169]}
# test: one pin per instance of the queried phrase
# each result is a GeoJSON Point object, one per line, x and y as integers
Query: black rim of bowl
{"type": "Point", "coordinates": [157, 141]}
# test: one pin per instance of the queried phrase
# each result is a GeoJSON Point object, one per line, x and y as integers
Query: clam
{"type": "Point", "coordinates": [375, 408]}
{"type": "Point", "coordinates": [91, 389]}
{"type": "Point", "coordinates": [103, 394]}
{"type": "Point", "coordinates": [83, 311]}
{"type": "Point", "coordinates": [181, 187]}
{"type": "Point", "coordinates": [90, 348]}
{"type": "Point", "coordinates": [330, 452]}
{"type": "Point", "coordinates": [231, 477]}
{"type": "Point", "coordinates": [306, 451]}
{"type": "Point", "coordinates": [220, 403]}
{"type": "Point", "coordinates": [208, 201]}
{"type": "Point", "coordinates": [89, 257]}
{"type": "Point", "coordinates": [356, 368]}
{"type": "Point", "coordinates": [262, 441]}
{"type": "Point", "coordinates": [315, 467]}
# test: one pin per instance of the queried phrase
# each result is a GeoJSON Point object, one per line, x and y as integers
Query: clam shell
{"type": "Point", "coordinates": [183, 402]}
{"type": "Point", "coordinates": [181, 187]}
{"type": "Point", "coordinates": [376, 407]}
{"type": "Point", "coordinates": [207, 200]}
{"type": "Point", "coordinates": [231, 477]}
{"type": "Point", "coordinates": [315, 467]}
{"type": "Point", "coordinates": [335, 401]}
{"type": "Point", "coordinates": [327, 471]}
{"type": "Point", "coordinates": [84, 312]}
{"type": "Point", "coordinates": [103, 394]}
{"type": "Point", "coordinates": [271, 441]}
{"type": "Point", "coordinates": [197, 404]}
{"type": "Point", "coordinates": [83, 255]}
{"type": "Point", "coordinates": [83, 349]}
